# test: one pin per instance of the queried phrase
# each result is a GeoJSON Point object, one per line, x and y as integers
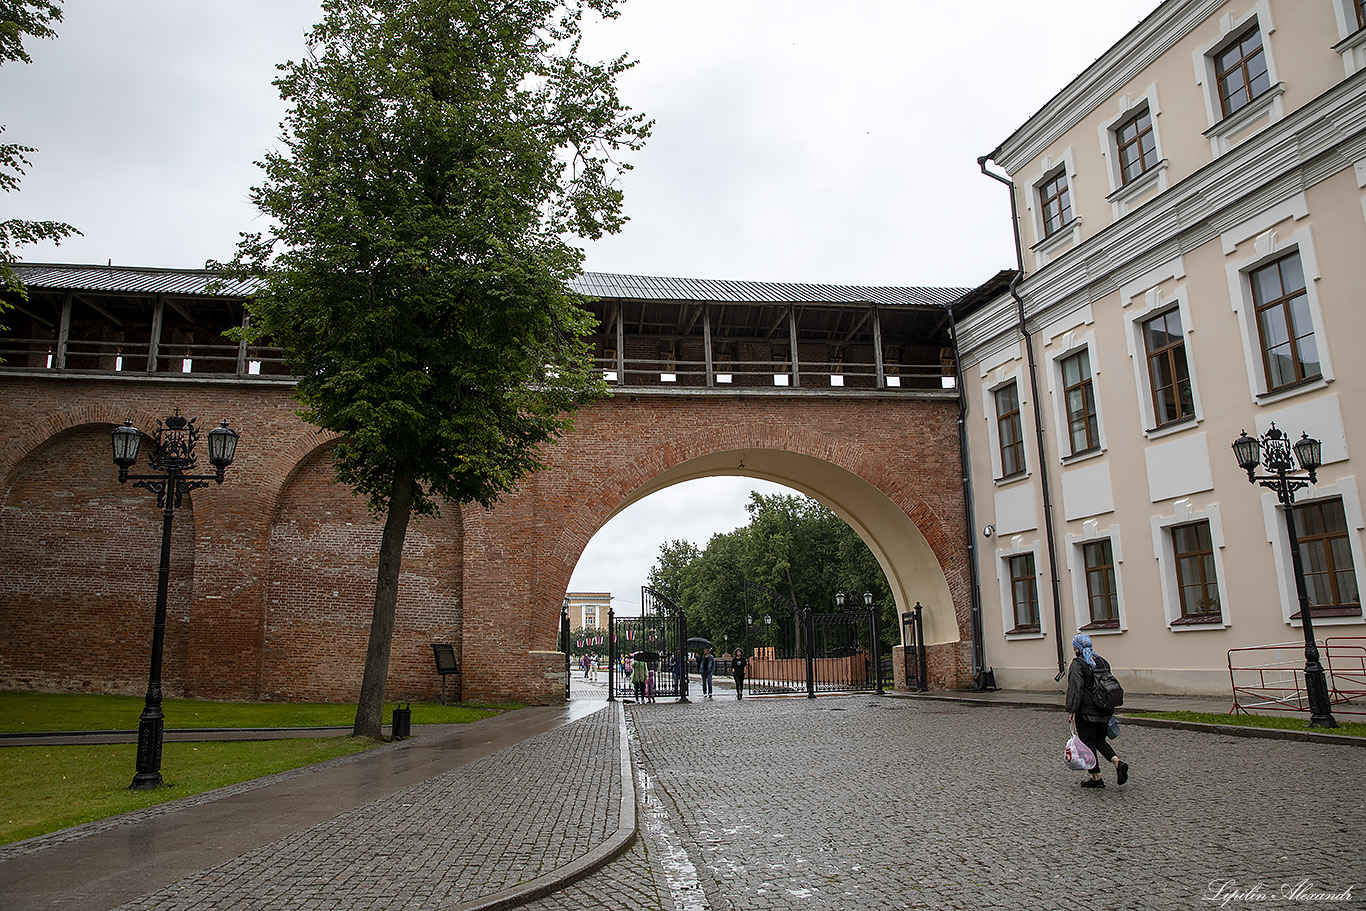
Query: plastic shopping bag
{"type": "Point", "coordinates": [1078, 755]}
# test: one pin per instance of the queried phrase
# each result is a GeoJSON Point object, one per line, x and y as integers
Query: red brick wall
{"type": "Point", "coordinates": [78, 585]}
{"type": "Point", "coordinates": [519, 558]}
{"type": "Point", "coordinates": [274, 570]}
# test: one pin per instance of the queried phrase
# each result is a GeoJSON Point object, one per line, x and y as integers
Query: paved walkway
{"type": "Point", "coordinates": [904, 802]}
{"type": "Point", "coordinates": [456, 817]}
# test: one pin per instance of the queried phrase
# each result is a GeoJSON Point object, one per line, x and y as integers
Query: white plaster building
{"type": "Point", "coordinates": [1191, 213]}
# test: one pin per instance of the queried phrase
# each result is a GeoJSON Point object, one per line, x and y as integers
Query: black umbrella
{"type": "Point", "coordinates": [647, 657]}
{"type": "Point", "coordinates": [698, 642]}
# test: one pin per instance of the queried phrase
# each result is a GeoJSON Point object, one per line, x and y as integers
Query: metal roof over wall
{"type": "Point", "coordinates": [197, 282]}
{"type": "Point", "coordinates": [129, 280]}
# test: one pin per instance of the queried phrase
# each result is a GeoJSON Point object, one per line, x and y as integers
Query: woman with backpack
{"type": "Point", "coordinates": [1091, 718]}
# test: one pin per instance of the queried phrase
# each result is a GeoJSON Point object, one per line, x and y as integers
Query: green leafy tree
{"type": "Point", "coordinates": [20, 19]}
{"type": "Point", "coordinates": [669, 574]}
{"type": "Point", "coordinates": [436, 156]}
{"type": "Point", "coordinates": [793, 545]}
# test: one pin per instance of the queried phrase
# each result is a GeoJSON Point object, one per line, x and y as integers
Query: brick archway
{"type": "Point", "coordinates": [889, 467]}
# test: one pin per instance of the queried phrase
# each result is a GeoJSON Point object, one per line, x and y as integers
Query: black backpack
{"type": "Point", "coordinates": [1105, 690]}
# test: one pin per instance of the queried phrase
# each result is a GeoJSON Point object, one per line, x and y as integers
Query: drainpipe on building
{"type": "Point", "coordinates": [979, 648]}
{"type": "Point", "coordinates": [1038, 419]}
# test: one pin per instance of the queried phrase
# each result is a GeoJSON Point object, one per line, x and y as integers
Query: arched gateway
{"type": "Point", "coordinates": [837, 392]}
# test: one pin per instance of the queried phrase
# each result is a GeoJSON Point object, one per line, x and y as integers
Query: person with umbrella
{"type": "Point", "coordinates": [707, 665]}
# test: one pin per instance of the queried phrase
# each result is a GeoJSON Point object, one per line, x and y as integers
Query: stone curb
{"type": "Point", "coordinates": [1233, 730]}
{"type": "Point", "coordinates": [557, 879]}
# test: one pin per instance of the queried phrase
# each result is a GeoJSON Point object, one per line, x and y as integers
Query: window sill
{"type": "Point", "coordinates": [1166, 430]}
{"type": "Point", "coordinates": [1025, 632]}
{"type": "Point", "coordinates": [1328, 612]}
{"type": "Point", "coordinates": [1289, 390]}
{"type": "Point", "coordinates": [1124, 195]}
{"type": "Point", "coordinates": [1012, 479]}
{"type": "Point", "coordinates": [1076, 457]}
{"type": "Point", "coordinates": [1101, 626]}
{"type": "Point", "coordinates": [1199, 620]}
{"type": "Point", "coordinates": [1266, 104]}
{"type": "Point", "coordinates": [1051, 243]}
{"type": "Point", "coordinates": [1353, 41]}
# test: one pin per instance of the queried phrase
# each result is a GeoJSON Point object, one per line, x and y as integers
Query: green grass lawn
{"type": "Point", "coordinates": [45, 712]}
{"type": "Point", "coordinates": [1283, 722]}
{"type": "Point", "coordinates": [46, 788]}
{"type": "Point", "coordinates": [53, 786]}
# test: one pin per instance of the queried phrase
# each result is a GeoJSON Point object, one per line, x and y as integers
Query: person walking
{"type": "Point", "coordinates": [638, 677]}
{"type": "Point", "coordinates": [737, 670]}
{"type": "Point", "coordinates": [708, 667]}
{"type": "Point", "coordinates": [1092, 721]}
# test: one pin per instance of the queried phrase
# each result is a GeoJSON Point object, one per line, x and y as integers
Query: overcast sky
{"type": "Point", "coordinates": [796, 140]}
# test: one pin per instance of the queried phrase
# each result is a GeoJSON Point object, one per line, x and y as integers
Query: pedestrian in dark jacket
{"type": "Point", "coordinates": [1092, 721]}
{"type": "Point", "coordinates": [708, 667]}
{"type": "Point", "coordinates": [737, 670]}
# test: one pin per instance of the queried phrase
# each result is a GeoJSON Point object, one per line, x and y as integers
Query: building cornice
{"type": "Point", "coordinates": [1099, 82]}
{"type": "Point", "coordinates": [1309, 146]}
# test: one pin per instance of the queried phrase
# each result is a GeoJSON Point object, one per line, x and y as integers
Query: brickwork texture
{"type": "Point", "coordinates": [272, 573]}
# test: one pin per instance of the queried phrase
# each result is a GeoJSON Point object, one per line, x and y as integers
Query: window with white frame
{"type": "Point", "coordinates": [1024, 593]}
{"type": "Point", "coordinates": [1326, 557]}
{"type": "Point", "coordinates": [1351, 22]}
{"type": "Point", "coordinates": [1240, 71]}
{"type": "Point", "coordinates": [1079, 402]}
{"type": "Point", "coordinates": [1132, 147]}
{"type": "Point", "coordinates": [1237, 72]}
{"type": "Point", "coordinates": [1329, 525]}
{"type": "Point", "coordinates": [1290, 352]}
{"type": "Point", "coordinates": [1093, 559]}
{"type": "Point", "coordinates": [1197, 576]}
{"type": "Point", "coordinates": [1189, 547]}
{"type": "Point", "coordinates": [1136, 145]}
{"type": "Point", "coordinates": [1009, 430]}
{"type": "Point", "coordinates": [1275, 297]}
{"type": "Point", "coordinates": [1055, 202]}
{"type": "Point", "coordinates": [1102, 590]}
{"type": "Point", "coordinates": [1169, 380]}
{"type": "Point", "coordinates": [1048, 197]}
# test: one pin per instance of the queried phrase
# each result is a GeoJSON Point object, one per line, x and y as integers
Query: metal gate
{"type": "Point", "coordinates": [792, 650]}
{"type": "Point", "coordinates": [659, 638]}
{"type": "Point", "coordinates": [913, 627]}
{"type": "Point", "coordinates": [564, 647]}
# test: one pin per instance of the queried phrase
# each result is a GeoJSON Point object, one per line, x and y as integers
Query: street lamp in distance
{"type": "Point", "coordinates": [172, 459]}
{"type": "Point", "coordinates": [1274, 453]}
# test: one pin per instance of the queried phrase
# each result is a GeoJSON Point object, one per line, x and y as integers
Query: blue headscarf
{"type": "Point", "coordinates": [1082, 643]}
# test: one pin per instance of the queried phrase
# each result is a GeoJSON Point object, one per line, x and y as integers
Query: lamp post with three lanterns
{"type": "Point", "coordinates": [1273, 452]}
{"type": "Point", "coordinates": [172, 458]}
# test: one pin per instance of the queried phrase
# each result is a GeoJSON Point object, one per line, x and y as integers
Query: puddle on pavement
{"type": "Point", "coordinates": [685, 888]}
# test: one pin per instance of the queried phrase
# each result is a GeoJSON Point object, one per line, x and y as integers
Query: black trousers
{"type": "Point", "coordinates": [1092, 733]}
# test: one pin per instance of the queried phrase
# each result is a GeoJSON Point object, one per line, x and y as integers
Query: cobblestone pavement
{"type": "Point", "coordinates": [484, 827]}
{"type": "Point", "coordinates": [847, 802]}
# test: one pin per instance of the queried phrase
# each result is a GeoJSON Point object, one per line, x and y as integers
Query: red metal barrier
{"type": "Point", "coordinates": [1271, 677]}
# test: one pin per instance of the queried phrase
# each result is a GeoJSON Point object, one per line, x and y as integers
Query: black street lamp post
{"type": "Point", "coordinates": [1273, 452]}
{"type": "Point", "coordinates": [173, 457]}
{"type": "Point", "coordinates": [877, 639]}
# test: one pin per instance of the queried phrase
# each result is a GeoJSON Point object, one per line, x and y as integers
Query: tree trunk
{"type": "Point", "coordinates": [370, 707]}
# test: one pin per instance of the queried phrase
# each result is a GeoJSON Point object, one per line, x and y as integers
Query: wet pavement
{"type": "Point", "coordinates": [742, 805]}
{"type": "Point", "coordinates": [861, 802]}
